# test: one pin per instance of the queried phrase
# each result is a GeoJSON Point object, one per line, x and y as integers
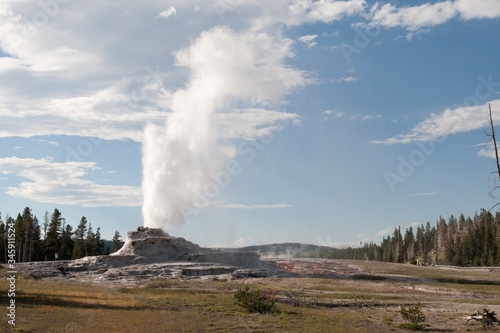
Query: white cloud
{"type": "Point", "coordinates": [385, 232]}
{"type": "Point", "coordinates": [250, 207]}
{"type": "Point", "coordinates": [103, 115]}
{"type": "Point", "coordinates": [335, 114]}
{"type": "Point", "coordinates": [51, 143]}
{"type": "Point", "coordinates": [414, 18]}
{"type": "Point", "coordinates": [347, 79]}
{"type": "Point", "coordinates": [366, 117]}
{"type": "Point", "coordinates": [448, 122]}
{"type": "Point", "coordinates": [363, 238]}
{"type": "Point", "coordinates": [309, 40]}
{"type": "Point", "coordinates": [291, 13]}
{"type": "Point", "coordinates": [487, 150]}
{"type": "Point", "coordinates": [240, 242]}
{"type": "Point", "coordinates": [328, 11]}
{"type": "Point", "coordinates": [473, 9]}
{"type": "Point", "coordinates": [167, 13]}
{"type": "Point", "coordinates": [424, 194]}
{"type": "Point", "coordinates": [64, 183]}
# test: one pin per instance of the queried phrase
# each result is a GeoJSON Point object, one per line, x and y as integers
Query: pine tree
{"type": "Point", "coordinates": [419, 246]}
{"type": "Point", "coordinates": [99, 243]}
{"type": "Point", "coordinates": [428, 242]}
{"type": "Point", "coordinates": [409, 244]}
{"type": "Point", "coordinates": [90, 242]}
{"type": "Point", "coordinates": [452, 238]}
{"type": "Point", "coordinates": [116, 243]}
{"type": "Point", "coordinates": [387, 254]}
{"type": "Point", "coordinates": [442, 239]}
{"type": "Point", "coordinates": [397, 245]}
{"type": "Point", "coordinates": [67, 249]}
{"type": "Point", "coordinates": [8, 221]}
{"type": "Point", "coordinates": [20, 231]}
{"type": "Point", "coordinates": [28, 234]}
{"type": "Point", "coordinates": [79, 250]}
{"type": "Point", "coordinates": [36, 241]}
{"type": "Point", "coordinates": [53, 240]}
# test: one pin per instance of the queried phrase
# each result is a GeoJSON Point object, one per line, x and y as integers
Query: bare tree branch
{"type": "Point", "coordinates": [495, 148]}
{"type": "Point", "coordinates": [494, 140]}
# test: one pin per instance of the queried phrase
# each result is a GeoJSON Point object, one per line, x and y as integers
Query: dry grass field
{"type": "Point", "coordinates": [366, 303]}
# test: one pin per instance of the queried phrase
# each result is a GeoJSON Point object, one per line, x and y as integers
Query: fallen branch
{"type": "Point", "coordinates": [486, 318]}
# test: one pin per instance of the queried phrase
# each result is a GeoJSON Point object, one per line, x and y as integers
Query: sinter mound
{"type": "Point", "coordinates": [153, 245]}
{"type": "Point", "coordinates": [149, 253]}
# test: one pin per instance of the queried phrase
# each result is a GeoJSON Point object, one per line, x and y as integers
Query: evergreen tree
{"type": "Point", "coordinates": [90, 242]}
{"type": "Point", "coordinates": [452, 239]}
{"type": "Point", "coordinates": [36, 241]}
{"type": "Point", "coordinates": [99, 243]}
{"type": "Point", "coordinates": [53, 239]}
{"type": "Point", "coordinates": [79, 250]}
{"type": "Point", "coordinates": [409, 244]}
{"type": "Point", "coordinates": [116, 243]}
{"type": "Point", "coordinates": [8, 221]}
{"type": "Point", "coordinates": [442, 239]}
{"type": "Point", "coordinates": [27, 221]}
{"type": "Point", "coordinates": [387, 254]}
{"type": "Point", "coordinates": [20, 231]}
{"type": "Point", "coordinates": [68, 243]}
{"type": "Point", "coordinates": [397, 245]}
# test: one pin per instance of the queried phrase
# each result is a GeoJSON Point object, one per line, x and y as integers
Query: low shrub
{"type": "Point", "coordinates": [255, 300]}
{"type": "Point", "coordinates": [415, 316]}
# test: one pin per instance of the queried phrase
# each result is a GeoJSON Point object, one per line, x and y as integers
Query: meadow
{"type": "Point", "coordinates": [366, 302]}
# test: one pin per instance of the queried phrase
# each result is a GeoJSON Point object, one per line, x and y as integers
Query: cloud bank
{"type": "Point", "coordinates": [51, 182]}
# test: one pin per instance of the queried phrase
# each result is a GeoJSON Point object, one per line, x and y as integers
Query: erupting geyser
{"type": "Point", "coordinates": [232, 76]}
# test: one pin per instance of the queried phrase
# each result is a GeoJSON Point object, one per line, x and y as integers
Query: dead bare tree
{"type": "Point", "coordinates": [493, 141]}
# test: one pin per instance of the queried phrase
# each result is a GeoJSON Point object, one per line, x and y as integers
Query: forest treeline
{"type": "Point", "coordinates": [462, 242]}
{"type": "Point", "coordinates": [52, 238]}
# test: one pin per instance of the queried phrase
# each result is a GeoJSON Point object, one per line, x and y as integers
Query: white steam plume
{"type": "Point", "coordinates": [225, 68]}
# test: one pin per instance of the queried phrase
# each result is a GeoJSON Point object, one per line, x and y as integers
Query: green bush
{"type": "Point", "coordinates": [415, 316]}
{"type": "Point", "coordinates": [255, 300]}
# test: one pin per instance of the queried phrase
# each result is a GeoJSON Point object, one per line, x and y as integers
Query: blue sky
{"type": "Point", "coordinates": [337, 120]}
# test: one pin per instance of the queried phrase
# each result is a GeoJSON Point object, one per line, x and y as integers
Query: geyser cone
{"type": "Point", "coordinates": [154, 244]}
